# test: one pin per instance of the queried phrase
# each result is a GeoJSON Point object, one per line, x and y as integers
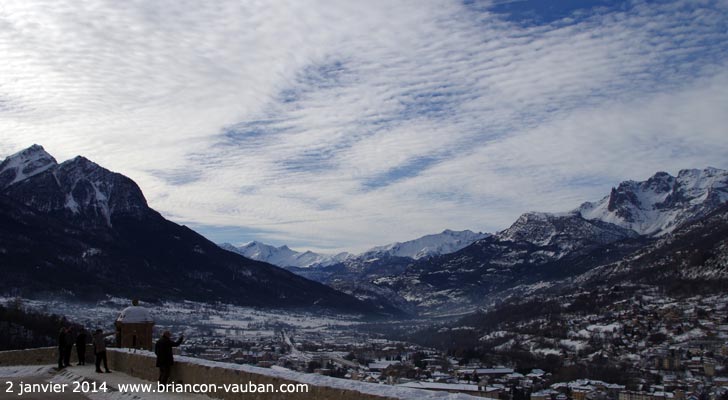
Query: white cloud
{"type": "Point", "coordinates": [344, 125]}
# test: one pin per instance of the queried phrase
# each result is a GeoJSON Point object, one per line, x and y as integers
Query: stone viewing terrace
{"type": "Point", "coordinates": [36, 366]}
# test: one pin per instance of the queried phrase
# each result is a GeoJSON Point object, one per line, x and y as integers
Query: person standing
{"type": "Point", "coordinates": [61, 347]}
{"type": "Point", "coordinates": [68, 347]}
{"type": "Point", "coordinates": [100, 349]}
{"type": "Point", "coordinates": [165, 356]}
{"type": "Point", "coordinates": [81, 341]}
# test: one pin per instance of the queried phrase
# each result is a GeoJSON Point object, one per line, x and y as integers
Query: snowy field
{"type": "Point", "coordinates": [205, 323]}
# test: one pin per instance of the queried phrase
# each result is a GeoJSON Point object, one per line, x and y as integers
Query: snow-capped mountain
{"type": "Point", "coordinates": [564, 232]}
{"type": "Point", "coordinates": [673, 275]}
{"type": "Point", "coordinates": [76, 188]}
{"type": "Point", "coordinates": [446, 242]}
{"type": "Point", "coordinates": [539, 249]}
{"type": "Point", "coordinates": [456, 271]}
{"type": "Point", "coordinates": [661, 203]}
{"type": "Point", "coordinates": [283, 256]}
{"type": "Point", "coordinates": [78, 229]}
{"type": "Point", "coordinates": [24, 164]}
{"type": "Point", "coordinates": [441, 243]}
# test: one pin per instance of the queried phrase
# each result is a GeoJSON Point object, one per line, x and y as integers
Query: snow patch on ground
{"type": "Point", "coordinates": [25, 371]}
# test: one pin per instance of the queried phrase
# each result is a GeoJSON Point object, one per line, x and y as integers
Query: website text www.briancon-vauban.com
{"type": "Point", "coordinates": [202, 388]}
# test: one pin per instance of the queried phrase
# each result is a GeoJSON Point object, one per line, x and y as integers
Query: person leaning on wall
{"type": "Point", "coordinates": [165, 358]}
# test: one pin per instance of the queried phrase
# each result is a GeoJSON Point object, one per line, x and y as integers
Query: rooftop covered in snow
{"type": "Point", "coordinates": [135, 315]}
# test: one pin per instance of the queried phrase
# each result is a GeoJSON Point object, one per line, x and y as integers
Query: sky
{"type": "Point", "coordinates": [341, 125]}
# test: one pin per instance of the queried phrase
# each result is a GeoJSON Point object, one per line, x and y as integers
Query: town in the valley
{"type": "Point", "coordinates": [662, 349]}
{"type": "Point", "coordinates": [647, 346]}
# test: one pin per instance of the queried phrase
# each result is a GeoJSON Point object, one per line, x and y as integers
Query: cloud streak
{"type": "Point", "coordinates": [339, 127]}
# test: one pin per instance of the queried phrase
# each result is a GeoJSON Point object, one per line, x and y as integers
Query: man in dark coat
{"type": "Point", "coordinates": [99, 340]}
{"type": "Point", "coordinates": [165, 358]}
{"type": "Point", "coordinates": [68, 348]}
{"type": "Point", "coordinates": [62, 347]}
{"type": "Point", "coordinates": [81, 341]}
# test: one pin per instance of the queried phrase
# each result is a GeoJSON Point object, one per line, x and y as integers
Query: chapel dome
{"type": "Point", "coordinates": [134, 315]}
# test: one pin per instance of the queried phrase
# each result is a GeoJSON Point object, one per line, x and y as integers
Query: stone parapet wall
{"type": "Point", "coordinates": [187, 370]}
{"type": "Point", "coordinates": [40, 356]}
{"type": "Point", "coordinates": [138, 364]}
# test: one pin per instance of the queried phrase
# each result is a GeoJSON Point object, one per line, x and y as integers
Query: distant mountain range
{"type": "Point", "coordinates": [80, 230]}
{"type": "Point", "coordinates": [540, 250]}
{"type": "Point", "coordinates": [441, 243]}
{"type": "Point", "coordinates": [283, 256]}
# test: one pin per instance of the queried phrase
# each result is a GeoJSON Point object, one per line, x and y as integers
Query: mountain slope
{"type": "Point", "coordinates": [79, 229]}
{"type": "Point", "coordinates": [537, 248]}
{"type": "Point", "coordinates": [564, 233]}
{"type": "Point", "coordinates": [665, 279]}
{"type": "Point", "coordinates": [541, 250]}
{"type": "Point", "coordinates": [691, 259]}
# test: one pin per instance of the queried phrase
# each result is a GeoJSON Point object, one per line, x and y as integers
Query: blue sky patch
{"type": "Point", "coordinates": [409, 169]}
{"type": "Point", "coordinates": [541, 12]}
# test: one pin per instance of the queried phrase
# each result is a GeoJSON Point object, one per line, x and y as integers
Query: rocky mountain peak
{"type": "Point", "coordinates": [661, 182]}
{"type": "Point", "coordinates": [565, 231]}
{"type": "Point", "coordinates": [662, 202]}
{"type": "Point", "coordinates": [78, 188]}
{"type": "Point", "coordinates": [25, 164]}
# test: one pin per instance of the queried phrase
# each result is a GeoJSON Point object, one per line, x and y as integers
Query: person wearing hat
{"type": "Point", "coordinates": [165, 357]}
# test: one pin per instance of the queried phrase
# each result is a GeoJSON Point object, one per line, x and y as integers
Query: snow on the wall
{"type": "Point", "coordinates": [374, 389]}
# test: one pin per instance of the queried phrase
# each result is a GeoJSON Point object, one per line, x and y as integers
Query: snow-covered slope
{"type": "Point", "coordinates": [564, 232]}
{"type": "Point", "coordinates": [283, 256]}
{"type": "Point", "coordinates": [663, 202]}
{"type": "Point", "coordinates": [441, 243]}
{"type": "Point", "coordinates": [693, 257]}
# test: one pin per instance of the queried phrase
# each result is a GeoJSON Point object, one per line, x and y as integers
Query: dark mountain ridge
{"type": "Point", "coordinates": [81, 230]}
